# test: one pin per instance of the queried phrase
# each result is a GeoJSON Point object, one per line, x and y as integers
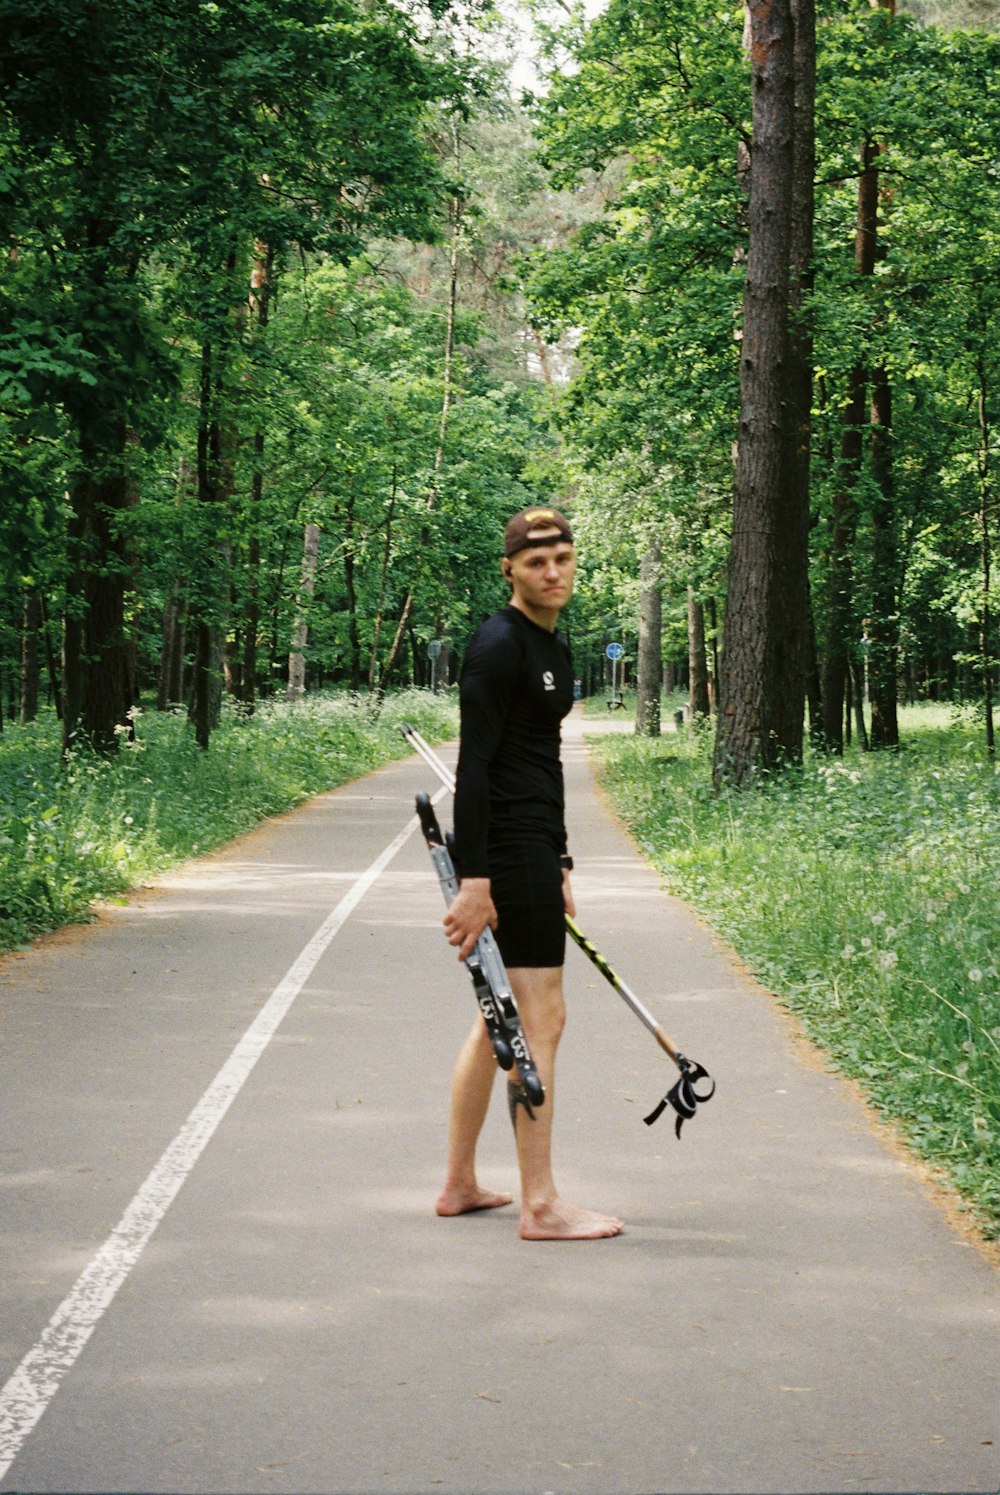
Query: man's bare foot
{"type": "Point", "coordinates": [566, 1222]}
{"type": "Point", "coordinates": [463, 1201]}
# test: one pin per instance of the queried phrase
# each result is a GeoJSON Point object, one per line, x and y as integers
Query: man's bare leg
{"type": "Point", "coordinates": [471, 1088]}
{"type": "Point", "coordinates": [544, 1216]}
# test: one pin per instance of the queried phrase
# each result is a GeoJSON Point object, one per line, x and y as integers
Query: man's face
{"type": "Point", "coordinates": [542, 575]}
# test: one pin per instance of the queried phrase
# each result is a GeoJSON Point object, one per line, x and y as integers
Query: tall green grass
{"type": "Point", "coordinates": [864, 893]}
{"type": "Point", "coordinates": [77, 830]}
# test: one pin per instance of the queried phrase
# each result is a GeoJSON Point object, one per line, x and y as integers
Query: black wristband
{"type": "Point", "coordinates": [566, 863]}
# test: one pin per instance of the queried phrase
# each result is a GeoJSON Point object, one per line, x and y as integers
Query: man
{"type": "Point", "coordinates": [510, 840]}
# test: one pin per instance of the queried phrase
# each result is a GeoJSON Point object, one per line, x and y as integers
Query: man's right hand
{"type": "Point", "coordinates": [469, 913]}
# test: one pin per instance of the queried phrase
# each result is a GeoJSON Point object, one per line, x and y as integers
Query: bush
{"type": "Point", "coordinates": [75, 830]}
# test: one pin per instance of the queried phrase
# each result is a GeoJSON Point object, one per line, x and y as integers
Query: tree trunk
{"type": "Point", "coordinates": [55, 685]}
{"type": "Point", "coordinates": [30, 669]}
{"type": "Point", "coordinates": [841, 624]}
{"type": "Point", "coordinates": [985, 540]}
{"type": "Point", "coordinates": [883, 629]}
{"type": "Point", "coordinates": [383, 585]}
{"type": "Point", "coordinates": [96, 674]}
{"type": "Point", "coordinates": [260, 308]}
{"type": "Point", "coordinates": [814, 695]}
{"type": "Point", "coordinates": [765, 589]}
{"type": "Point", "coordinates": [210, 592]}
{"type": "Point", "coordinates": [791, 618]}
{"type": "Point", "coordinates": [698, 696]}
{"type": "Point", "coordinates": [171, 686]}
{"type": "Point", "coordinates": [712, 628]}
{"type": "Point", "coordinates": [300, 631]}
{"type": "Point", "coordinates": [647, 703]}
{"type": "Point", "coordinates": [858, 700]}
{"type": "Point", "coordinates": [351, 590]}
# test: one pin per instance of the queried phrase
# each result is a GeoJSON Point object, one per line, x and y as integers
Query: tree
{"type": "Point", "coordinates": [650, 664]}
{"type": "Point", "coordinates": [762, 686]}
{"type": "Point", "coordinates": [142, 134]}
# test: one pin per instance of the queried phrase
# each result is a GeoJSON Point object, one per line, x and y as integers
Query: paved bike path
{"type": "Point", "coordinates": [788, 1310]}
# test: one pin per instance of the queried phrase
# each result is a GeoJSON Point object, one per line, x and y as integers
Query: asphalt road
{"type": "Point", "coordinates": [222, 1123]}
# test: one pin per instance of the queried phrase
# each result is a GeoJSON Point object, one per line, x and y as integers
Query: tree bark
{"type": "Point", "coordinates": [55, 685]}
{"type": "Point", "coordinates": [986, 653]}
{"type": "Point", "coordinates": [791, 620]}
{"type": "Point", "coordinates": [841, 624]}
{"type": "Point", "coordinates": [30, 670]}
{"type": "Point", "coordinates": [699, 701]}
{"type": "Point", "coordinates": [211, 600]}
{"type": "Point", "coordinates": [171, 686]}
{"type": "Point", "coordinates": [351, 591]}
{"type": "Point", "coordinates": [760, 720]}
{"type": "Point", "coordinates": [96, 672]}
{"type": "Point", "coordinates": [300, 631]}
{"type": "Point", "coordinates": [260, 309]}
{"type": "Point", "coordinates": [650, 666]}
{"type": "Point", "coordinates": [883, 629]}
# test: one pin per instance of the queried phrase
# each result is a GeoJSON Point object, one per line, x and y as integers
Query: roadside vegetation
{"type": "Point", "coordinates": [89, 827]}
{"type": "Point", "coordinates": [860, 890]}
{"type": "Point", "coordinates": [863, 891]}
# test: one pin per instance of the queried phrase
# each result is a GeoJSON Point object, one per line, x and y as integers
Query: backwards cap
{"type": "Point", "coordinates": [518, 534]}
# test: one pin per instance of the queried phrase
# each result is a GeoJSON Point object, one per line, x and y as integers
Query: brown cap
{"type": "Point", "coordinates": [518, 534]}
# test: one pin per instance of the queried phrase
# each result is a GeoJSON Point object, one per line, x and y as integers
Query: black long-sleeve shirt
{"type": "Point", "coordinates": [516, 687]}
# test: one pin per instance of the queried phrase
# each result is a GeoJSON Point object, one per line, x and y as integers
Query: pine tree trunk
{"type": "Point", "coordinates": [791, 620]}
{"type": "Point", "coordinates": [763, 582]}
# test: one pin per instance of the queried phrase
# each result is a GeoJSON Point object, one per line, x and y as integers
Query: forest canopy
{"type": "Point", "coordinates": [301, 301]}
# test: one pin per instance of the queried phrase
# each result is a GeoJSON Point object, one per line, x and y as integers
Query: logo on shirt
{"type": "Point", "coordinates": [548, 680]}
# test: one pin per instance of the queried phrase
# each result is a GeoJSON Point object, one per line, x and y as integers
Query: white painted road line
{"type": "Point", "coordinates": [36, 1380]}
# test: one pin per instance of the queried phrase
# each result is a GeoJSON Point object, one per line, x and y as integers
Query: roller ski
{"type": "Point", "coordinates": [489, 980]}
{"type": "Point", "coordinates": [694, 1086]}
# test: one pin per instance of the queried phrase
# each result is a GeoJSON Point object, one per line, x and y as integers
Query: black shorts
{"type": "Point", "coordinates": [526, 882]}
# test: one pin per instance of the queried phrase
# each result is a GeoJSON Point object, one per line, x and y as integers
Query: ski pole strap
{"type": "Point", "coordinates": [684, 1096]}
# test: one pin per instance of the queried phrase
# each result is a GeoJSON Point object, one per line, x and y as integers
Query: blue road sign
{"type": "Point", "coordinates": [615, 651]}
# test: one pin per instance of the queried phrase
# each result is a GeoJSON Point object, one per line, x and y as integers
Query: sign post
{"type": "Point", "coordinates": [434, 654]}
{"type": "Point", "coordinates": [614, 652]}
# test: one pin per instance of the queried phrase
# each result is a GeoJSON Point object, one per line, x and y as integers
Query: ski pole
{"type": "Point", "coordinates": [684, 1097]}
{"type": "Point", "coordinates": [490, 981]}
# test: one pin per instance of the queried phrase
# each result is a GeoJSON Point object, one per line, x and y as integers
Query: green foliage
{"type": "Point", "coordinates": [863, 893]}
{"type": "Point", "coordinates": [655, 103]}
{"type": "Point", "coordinates": [90, 828]}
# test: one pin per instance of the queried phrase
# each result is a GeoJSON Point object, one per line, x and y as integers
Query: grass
{"type": "Point", "coordinates": [75, 831]}
{"type": "Point", "coordinates": [863, 892]}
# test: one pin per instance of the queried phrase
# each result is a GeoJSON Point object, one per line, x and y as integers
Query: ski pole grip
{"type": "Point", "coordinates": [428, 821]}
